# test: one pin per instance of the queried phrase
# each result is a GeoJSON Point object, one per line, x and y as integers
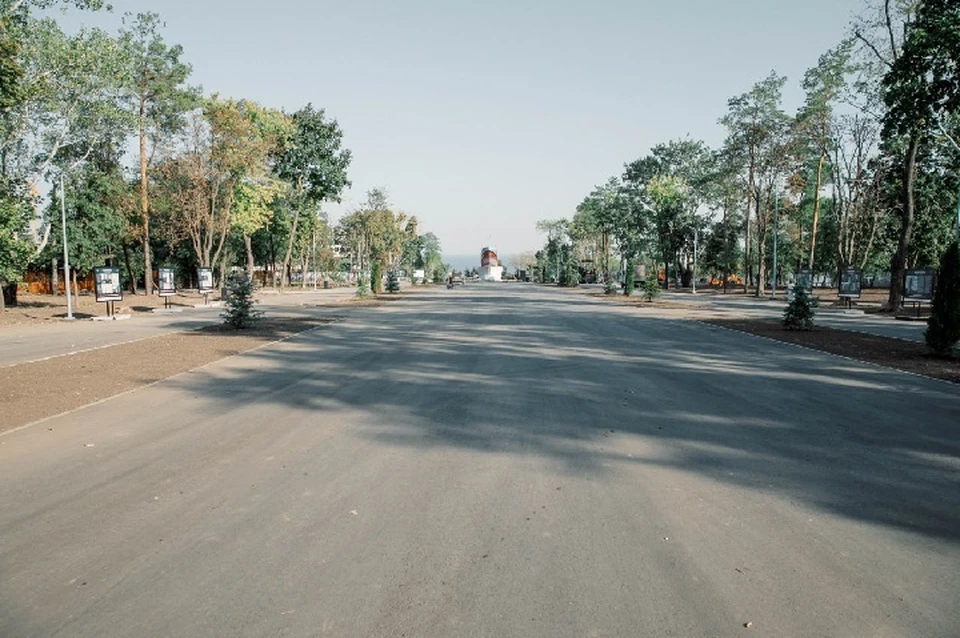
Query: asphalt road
{"type": "Point", "coordinates": [493, 461]}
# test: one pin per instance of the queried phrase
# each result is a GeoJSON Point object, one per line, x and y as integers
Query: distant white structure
{"type": "Point", "coordinates": [490, 268]}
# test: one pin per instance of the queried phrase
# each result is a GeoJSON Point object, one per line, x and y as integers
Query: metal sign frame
{"type": "Point", "coordinates": [918, 284]}
{"type": "Point", "coordinates": [851, 283]}
{"type": "Point", "coordinates": [205, 280]}
{"type": "Point", "coordinates": [805, 280]}
{"type": "Point", "coordinates": [166, 282]}
{"type": "Point", "coordinates": [107, 284]}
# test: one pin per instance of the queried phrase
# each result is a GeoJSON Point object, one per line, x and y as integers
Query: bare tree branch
{"type": "Point", "coordinates": [873, 48]}
{"type": "Point", "coordinates": [893, 42]}
{"type": "Point", "coordinates": [947, 135]}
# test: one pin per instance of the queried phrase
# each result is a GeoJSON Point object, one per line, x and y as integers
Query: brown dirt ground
{"type": "Point", "coordinates": [39, 309]}
{"type": "Point", "coordinates": [46, 308]}
{"type": "Point", "coordinates": [27, 395]}
{"type": "Point", "coordinates": [899, 354]}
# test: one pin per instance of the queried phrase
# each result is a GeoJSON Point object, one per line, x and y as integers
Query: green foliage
{"type": "Point", "coordinates": [650, 288]}
{"type": "Point", "coordinates": [393, 282]}
{"type": "Point", "coordinates": [239, 311]}
{"type": "Point", "coordinates": [363, 287]}
{"type": "Point", "coordinates": [311, 157]}
{"type": "Point", "coordinates": [97, 223]}
{"type": "Point", "coordinates": [943, 327]}
{"type": "Point", "coordinates": [721, 251]}
{"type": "Point", "coordinates": [609, 285]}
{"type": "Point", "coordinates": [376, 278]}
{"type": "Point", "coordinates": [14, 247]}
{"type": "Point", "coordinates": [154, 76]}
{"type": "Point", "coordinates": [798, 314]}
{"type": "Point", "coordinates": [923, 85]}
{"type": "Point", "coordinates": [569, 272]}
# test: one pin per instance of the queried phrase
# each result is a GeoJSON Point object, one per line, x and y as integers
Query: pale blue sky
{"type": "Point", "coordinates": [482, 117]}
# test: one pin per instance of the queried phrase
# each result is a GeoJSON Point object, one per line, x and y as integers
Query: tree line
{"type": "Point", "coordinates": [865, 174]}
{"type": "Point", "coordinates": [219, 182]}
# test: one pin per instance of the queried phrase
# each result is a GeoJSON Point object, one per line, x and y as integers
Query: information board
{"type": "Point", "coordinates": [851, 283]}
{"type": "Point", "coordinates": [167, 286]}
{"type": "Point", "coordinates": [805, 279]}
{"type": "Point", "coordinates": [107, 282]}
{"type": "Point", "coordinates": [205, 279]}
{"type": "Point", "coordinates": [918, 284]}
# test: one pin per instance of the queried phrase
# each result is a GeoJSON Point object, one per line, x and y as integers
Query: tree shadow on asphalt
{"type": "Point", "coordinates": [550, 376]}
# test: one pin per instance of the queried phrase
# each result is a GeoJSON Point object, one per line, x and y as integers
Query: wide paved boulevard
{"type": "Point", "coordinates": [493, 461]}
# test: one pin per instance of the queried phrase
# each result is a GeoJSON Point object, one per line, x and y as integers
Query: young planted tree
{"type": "Point", "coordinates": [363, 287]}
{"type": "Point", "coordinates": [651, 289]}
{"type": "Point", "coordinates": [798, 314]}
{"type": "Point", "coordinates": [239, 306]}
{"type": "Point", "coordinates": [393, 282]}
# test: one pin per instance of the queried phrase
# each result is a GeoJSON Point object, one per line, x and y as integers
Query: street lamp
{"type": "Point", "coordinates": [693, 280]}
{"type": "Point", "coordinates": [66, 253]}
{"type": "Point", "coordinates": [773, 281]}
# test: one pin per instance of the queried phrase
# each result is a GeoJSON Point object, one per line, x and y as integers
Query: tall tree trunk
{"type": "Point", "coordinates": [761, 248]}
{"type": "Point", "coordinates": [144, 202]}
{"type": "Point", "coordinates": [248, 245]}
{"type": "Point", "coordinates": [726, 248]}
{"type": "Point", "coordinates": [292, 238]}
{"type": "Point", "coordinates": [816, 210]}
{"type": "Point", "coordinates": [747, 264]}
{"type": "Point", "coordinates": [54, 277]}
{"type": "Point", "coordinates": [898, 264]}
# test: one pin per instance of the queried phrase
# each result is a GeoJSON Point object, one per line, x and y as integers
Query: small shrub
{"type": "Point", "coordinates": [393, 283]}
{"type": "Point", "coordinates": [943, 326]}
{"type": "Point", "coordinates": [651, 289]}
{"type": "Point", "coordinates": [610, 285]}
{"type": "Point", "coordinates": [239, 312]}
{"type": "Point", "coordinates": [799, 312]}
{"type": "Point", "coordinates": [363, 287]}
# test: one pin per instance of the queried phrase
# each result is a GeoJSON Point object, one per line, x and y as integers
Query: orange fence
{"type": "Point", "coordinates": [39, 283]}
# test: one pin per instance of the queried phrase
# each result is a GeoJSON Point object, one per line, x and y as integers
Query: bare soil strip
{"type": "Point", "coordinates": [899, 354]}
{"type": "Point", "coordinates": [33, 391]}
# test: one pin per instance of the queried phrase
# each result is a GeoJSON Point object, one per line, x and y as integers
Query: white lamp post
{"type": "Point", "coordinates": [66, 252]}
